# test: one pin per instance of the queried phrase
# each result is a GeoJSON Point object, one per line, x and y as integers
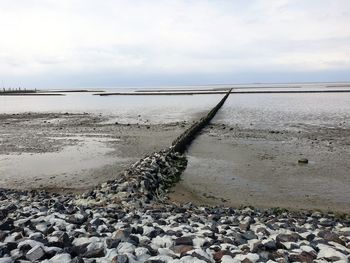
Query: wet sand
{"type": "Point", "coordinates": [73, 152]}
{"type": "Point", "coordinates": [229, 165]}
{"type": "Point", "coordinates": [234, 166]}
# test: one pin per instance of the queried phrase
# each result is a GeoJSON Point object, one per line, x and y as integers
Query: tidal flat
{"type": "Point", "coordinates": [73, 152]}
{"type": "Point", "coordinates": [250, 154]}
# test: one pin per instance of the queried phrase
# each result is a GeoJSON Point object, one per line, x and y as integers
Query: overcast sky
{"type": "Point", "coordinates": [72, 43]}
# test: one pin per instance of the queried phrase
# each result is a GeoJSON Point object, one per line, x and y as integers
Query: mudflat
{"type": "Point", "coordinates": [235, 166]}
{"type": "Point", "coordinates": [73, 152]}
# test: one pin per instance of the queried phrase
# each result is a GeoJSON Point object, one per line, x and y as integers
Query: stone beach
{"type": "Point", "coordinates": [131, 220]}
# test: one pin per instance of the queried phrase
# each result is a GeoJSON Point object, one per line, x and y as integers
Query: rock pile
{"type": "Point", "coordinates": [145, 180]}
{"type": "Point", "coordinates": [130, 220]}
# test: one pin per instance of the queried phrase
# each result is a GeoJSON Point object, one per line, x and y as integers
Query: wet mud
{"type": "Point", "coordinates": [234, 166]}
{"type": "Point", "coordinates": [73, 152]}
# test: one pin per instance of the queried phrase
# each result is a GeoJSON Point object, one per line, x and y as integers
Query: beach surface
{"type": "Point", "coordinates": [248, 155]}
{"type": "Point", "coordinates": [234, 167]}
{"type": "Point", "coordinates": [74, 152]}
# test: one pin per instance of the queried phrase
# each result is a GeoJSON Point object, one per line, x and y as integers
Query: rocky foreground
{"type": "Point", "coordinates": [130, 220]}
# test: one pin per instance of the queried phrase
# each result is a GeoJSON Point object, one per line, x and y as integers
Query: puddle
{"type": "Point", "coordinates": [89, 154]}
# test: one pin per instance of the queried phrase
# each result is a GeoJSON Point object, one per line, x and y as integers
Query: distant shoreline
{"type": "Point", "coordinates": [215, 92]}
{"type": "Point", "coordinates": [73, 91]}
{"type": "Point", "coordinates": [30, 94]}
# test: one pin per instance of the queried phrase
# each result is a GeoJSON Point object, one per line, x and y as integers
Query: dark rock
{"type": "Point", "coordinates": [303, 161]}
{"type": "Point", "coordinates": [227, 240]}
{"type": "Point", "coordinates": [63, 241]}
{"type": "Point", "coordinates": [215, 229]}
{"type": "Point", "coordinates": [97, 222]}
{"type": "Point", "coordinates": [94, 253]}
{"type": "Point", "coordinates": [151, 251]}
{"type": "Point", "coordinates": [25, 248]}
{"type": "Point", "coordinates": [294, 246]}
{"type": "Point", "coordinates": [7, 224]}
{"type": "Point", "coordinates": [156, 232]}
{"type": "Point", "coordinates": [11, 245]}
{"type": "Point", "coordinates": [219, 254]}
{"type": "Point", "coordinates": [77, 260]}
{"type": "Point", "coordinates": [200, 257]}
{"type": "Point", "coordinates": [303, 257]}
{"type": "Point", "coordinates": [112, 243]}
{"type": "Point", "coordinates": [249, 235]}
{"type": "Point", "coordinates": [2, 235]}
{"type": "Point", "coordinates": [239, 240]}
{"type": "Point", "coordinates": [77, 250]}
{"type": "Point", "coordinates": [327, 223]}
{"type": "Point", "coordinates": [310, 237]}
{"type": "Point", "coordinates": [257, 247]}
{"type": "Point", "coordinates": [59, 206]}
{"type": "Point", "coordinates": [314, 244]}
{"type": "Point", "coordinates": [4, 251]}
{"type": "Point", "coordinates": [137, 230]}
{"type": "Point", "coordinates": [50, 230]}
{"type": "Point", "coordinates": [187, 241]}
{"type": "Point", "coordinates": [330, 236]}
{"type": "Point", "coordinates": [182, 249]}
{"type": "Point", "coordinates": [270, 245]}
{"type": "Point", "coordinates": [76, 220]}
{"type": "Point", "coordinates": [161, 222]}
{"type": "Point", "coordinates": [294, 237]}
{"type": "Point", "coordinates": [120, 259]}
{"type": "Point", "coordinates": [134, 240]}
{"type": "Point", "coordinates": [3, 213]}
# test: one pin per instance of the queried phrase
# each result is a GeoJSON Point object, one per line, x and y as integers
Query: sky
{"type": "Point", "coordinates": [91, 43]}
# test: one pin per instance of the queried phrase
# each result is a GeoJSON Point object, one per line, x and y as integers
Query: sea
{"type": "Point", "coordinates": [280, 110]}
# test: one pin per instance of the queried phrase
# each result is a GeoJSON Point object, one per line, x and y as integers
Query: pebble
{"type": "Point", "coordinates": [303, 161]}
{"type": "Point", "coordinates": [35, 253]}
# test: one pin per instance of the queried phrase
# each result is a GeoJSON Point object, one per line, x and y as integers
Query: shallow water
{"type": "Point", "coordinates": [76, 161]}
{"type": "Point", "coordinates": [278, 110]}
{"type": "Point", "coordinates": [286, 111]}
{"type": "Point", "coordinates": [253, 166]}
{"type": "Point", "coordinates": [152, 109]}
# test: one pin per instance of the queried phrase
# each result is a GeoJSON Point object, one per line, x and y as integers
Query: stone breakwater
{"type": "Point", "coordinates": [181, 143]}
{"type": "Point", "coordinates": [145, 181]}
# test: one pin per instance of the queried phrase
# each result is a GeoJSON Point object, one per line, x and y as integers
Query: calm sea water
{"type": "Point", "coordinates": [154, 109]}
{"type": "Point", "coordinates": [260, 110]}
{"type": "Point", "coordinates": [286, 111]}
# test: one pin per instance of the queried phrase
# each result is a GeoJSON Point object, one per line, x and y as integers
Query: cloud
{"type": "Point", "coordinates": [164, 38]}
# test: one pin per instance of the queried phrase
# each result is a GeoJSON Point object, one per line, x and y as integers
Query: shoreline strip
{"type": "Point", "coordinates": [216, 92]}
